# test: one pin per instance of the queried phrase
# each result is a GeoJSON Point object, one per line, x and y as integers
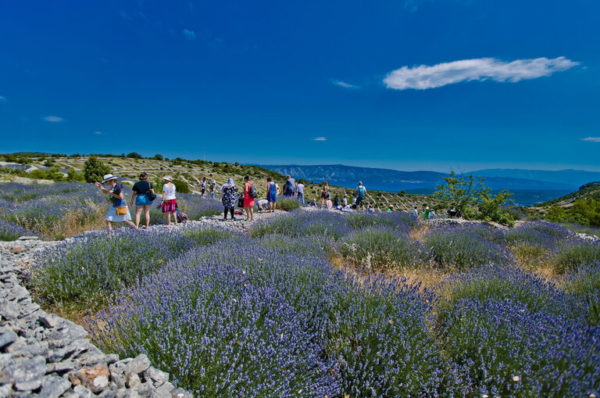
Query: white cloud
{"type": "Point", "coordinates": [320, 139]}
{"type": "Point", "coordinates": [53, 119]}
{"type": "Point", "coordinates": [342, 84]}
{"type": "Point", "coordinates": [591, 139]}
{"type": "Point", "coordinates": [423, 77]}
{"type": "Point", "coordinates": [3, 98]}
{"type": "Point", "coordinates": [98, 132]}
{"type": "Point", "coordinates": [189, 34]}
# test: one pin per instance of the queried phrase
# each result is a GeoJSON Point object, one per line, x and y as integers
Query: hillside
{"type": "Point", "coordinates": [192, 172]}
{"type": "Point", "coordinates": [587, 191]}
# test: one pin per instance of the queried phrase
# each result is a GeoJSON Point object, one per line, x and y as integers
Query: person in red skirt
{"type": "Point", "coordinates": [249, 196]}
{"type": "Point", "coordinates": [169, 204]}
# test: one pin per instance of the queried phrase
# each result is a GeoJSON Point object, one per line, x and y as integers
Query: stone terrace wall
{"type": "Point", "coordinates": [44, 355]}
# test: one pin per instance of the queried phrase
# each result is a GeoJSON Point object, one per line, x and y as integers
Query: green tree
{"type": "Point", "coordinates": [157, 157]}
{"type": "Point", "coordinates": [94, 170]}
{"type": "Point", "coordinates": [181, 186]}
{"type": "Point", "coordinates": [74, 176]}
{"type": "Point", "coordinates": [134, 155]}
{"type": "Point", "coordinates": [459, 192]}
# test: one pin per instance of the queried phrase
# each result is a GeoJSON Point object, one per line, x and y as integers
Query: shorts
{"type": "Point", "coordinates": [142, 200]}
{"type": "Point", "coordinates": [272, 197]}
{"type": "Point", "coordinates": [169, 206]}
{"type": "Point", "coordinates": [360, 201]}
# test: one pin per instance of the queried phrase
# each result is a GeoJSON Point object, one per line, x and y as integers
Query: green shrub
{"type": "Point", "coordinates": [94, 170]}
{"type": "Point", "coordinates": [574, 255]}
{"type": "Point", "coordinates": [181, 186]}
{"type": "Point", "coordinates": [381, 248]}
{"type": "Point", "coordinates": [288, 204]}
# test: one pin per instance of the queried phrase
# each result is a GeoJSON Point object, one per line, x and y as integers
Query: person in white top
{"type": "Point", "coordinates": [169, 203]}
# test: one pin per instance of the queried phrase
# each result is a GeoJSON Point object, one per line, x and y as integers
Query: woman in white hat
{"type": "Point", "coordinates": [169, 204]}
{"type": "Point", "coordinates": [118, 212]}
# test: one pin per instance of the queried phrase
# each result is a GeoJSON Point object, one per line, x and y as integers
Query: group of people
{"type": "Point", "coordinates": [358, 201]}
{"type": "Point", "coordinates": [143, 196]}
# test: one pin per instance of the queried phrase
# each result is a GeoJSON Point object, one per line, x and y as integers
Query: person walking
{"type": "Point", "coordinates": [289, 187]}
{"type": "Point", "coordinates": [212, 187]}
{"type": "Point", "coordinates": [143, 196]}
{"type": "Point", "coordinates": [249, 196]}
{"type": "Point", "coordinates": [415, 213]}
{"type": "Point", "coordinates": [361, 193]}
{"type": "Point", "coordinates": [324, 194]}
{"type": "Point", "coordinates": [272, 191]}
{"type": "Point", "coordinates": [169, 203]}
{"type": "Point", "coordinates": [118, 212]}
{"type": "Point", "coordinates": [300, 193]}
{"type": "Point", "coordinates": [229, 199]}
{"type": "Point", "coordinates": [203, 186]}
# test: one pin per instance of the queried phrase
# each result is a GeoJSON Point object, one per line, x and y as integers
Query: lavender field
{"type": "Point", "coordinates": [321, 304]}
{"type": "Point", "coordinates": [63, 209]}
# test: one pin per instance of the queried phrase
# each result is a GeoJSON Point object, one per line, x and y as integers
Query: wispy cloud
{"type": "Point", "coordinates": [3, 98]}
{"type": "Point", "coordinates": [189, 34]}
{"type": "Point", "coordinates": [425, 77]}
{"type": "Point", "coordinates": [342, 84]}
{"type": "Point", "coordinates": [591, 139]}
{"type": "Point", "coordinates": [320, 139]}
{"type": "Point", "coordinates": [53, 119]}
{"type": "Point", "coordinates": [97, 132]}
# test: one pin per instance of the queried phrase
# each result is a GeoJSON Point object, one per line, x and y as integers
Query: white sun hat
{"type": "Point", "coordinates": [108, 177]}
{"type": "Point", "coordinates": [167, 178]}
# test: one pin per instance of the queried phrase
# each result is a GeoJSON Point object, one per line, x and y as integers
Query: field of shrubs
{"type": "Point", "coordinates": [318, 304]}
{"type": "Point", "coordinates": [62, 209]}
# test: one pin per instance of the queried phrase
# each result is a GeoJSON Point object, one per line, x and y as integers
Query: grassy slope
{"type": "Point", "coordinates": [192, 173]}
{"type": "Point", "coordinates": [591, 190]}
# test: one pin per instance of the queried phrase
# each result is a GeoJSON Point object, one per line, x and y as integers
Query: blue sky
{"type": "Point", "coordinates": [412, 85]}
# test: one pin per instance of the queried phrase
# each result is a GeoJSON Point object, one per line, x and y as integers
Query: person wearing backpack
{"type": "Point", "coordinates": [361, 193]}
{"type": "Point", "coordinates": [118, 212]}
{"type": "Point", "coordinates": [143, 196]}
{"type": "Point", "coordinates": [249, 195]}
{"type": "Point", "coordinates": [289, 187]}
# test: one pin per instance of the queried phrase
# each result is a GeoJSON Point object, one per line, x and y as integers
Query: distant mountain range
{"type": "Point", "coordinates": [529, 186]}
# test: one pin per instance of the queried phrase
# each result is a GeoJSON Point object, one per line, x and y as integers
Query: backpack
{"type": "Point", "coordinates": [181, 216]}
{"type": "Point", "coordinates": [361, 192]}
{"type": "Point", "coordinates": [253, 193]}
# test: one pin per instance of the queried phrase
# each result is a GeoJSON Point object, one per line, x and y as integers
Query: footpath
{"type": "Point", "coordinates": [44, 355]}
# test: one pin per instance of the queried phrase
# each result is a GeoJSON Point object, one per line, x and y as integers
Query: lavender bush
{"type": "Point", "coordinates": [574, 254]}
{"type": "Point", "coordinates": [54, 210]}
{"type": "Point", "coordinates": [381, 248]}
{"type": "Point", "coordinates": [12, 231]}
{"type": "Point", "coordinates": [457, 248]}
{"type": "Point", "coordinates": [276, 324]}
{"type": "Point", "coordinates": [584, 284]}
{"type": "Point", "coordinates": [400, 220]}
{"type": "Point", "coordinates": [303, 223]}
{"type": "Point", "coordinates": [511, 334]}
{"type": "Point", "coordinates": [87, 271]}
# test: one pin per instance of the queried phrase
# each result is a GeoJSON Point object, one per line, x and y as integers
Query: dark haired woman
{"type": "Point", "coordinates": [249, 199]}
{"type": "Point", "coordinates": [143, 196]}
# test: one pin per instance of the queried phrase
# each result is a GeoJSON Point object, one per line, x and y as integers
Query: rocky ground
{"type": "Point", "coordinates": [42, 354]}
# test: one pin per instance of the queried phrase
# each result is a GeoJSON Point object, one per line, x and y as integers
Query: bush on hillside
{"type": "Point", "coordinates": [181, 186]}
{"type": "Point", "coordinates": [94, 170]}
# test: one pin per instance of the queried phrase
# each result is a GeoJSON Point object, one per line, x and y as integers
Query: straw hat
{"type": "Point", "coordinates": [168, 178]}
{"type": "Point", "coordinates": [108, 177]}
